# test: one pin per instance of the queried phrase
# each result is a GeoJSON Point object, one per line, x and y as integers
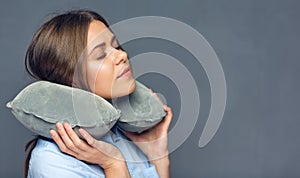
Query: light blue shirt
{"type": "Point", "coordinates": [48, 161]}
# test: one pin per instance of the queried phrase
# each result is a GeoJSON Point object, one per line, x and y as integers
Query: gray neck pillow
{"type": "Point", "coordinates": [42, 104]}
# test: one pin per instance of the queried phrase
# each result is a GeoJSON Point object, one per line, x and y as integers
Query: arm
{"type": "Point", "coordinates": [162, 166]}
{"type": "Point", "coordinates": [93, 151]}
{"type": "Point", "coordinates": [154, 144]}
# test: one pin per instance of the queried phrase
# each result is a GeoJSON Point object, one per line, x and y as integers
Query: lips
{"type": "Point", "coordinates": [124, 71]}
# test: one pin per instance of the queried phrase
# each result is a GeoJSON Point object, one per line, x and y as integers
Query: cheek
{"type": "Point", "coordinates": [101, 79]}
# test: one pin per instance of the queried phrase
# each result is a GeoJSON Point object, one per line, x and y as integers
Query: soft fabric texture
{"type": "Point", "coordinates": [140, 110]}
{"type": "Point", "coordinates": [42, 104]}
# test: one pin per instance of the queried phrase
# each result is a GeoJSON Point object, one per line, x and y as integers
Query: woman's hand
{"type": "Point", "coordinates": [93, 151]}
{"type": "Point", "coordinates": [154, 143]}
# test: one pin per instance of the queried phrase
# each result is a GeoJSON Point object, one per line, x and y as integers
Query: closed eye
{"type": "Point", "coordinates": [101, 56]}
{"type": "Point", "coordinates": [100, 49]}
{"type": "Point", "coordinates": [100, 52]}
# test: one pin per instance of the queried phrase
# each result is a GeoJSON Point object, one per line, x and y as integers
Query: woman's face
{"type": "Point", "coordinates": [108, 70]}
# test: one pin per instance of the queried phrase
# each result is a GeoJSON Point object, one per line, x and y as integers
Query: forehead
{"type": "Point", "coordinates": [98, 33]}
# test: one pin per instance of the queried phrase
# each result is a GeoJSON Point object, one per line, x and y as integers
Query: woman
{"type": "Point", "coordinates": [78, 49]}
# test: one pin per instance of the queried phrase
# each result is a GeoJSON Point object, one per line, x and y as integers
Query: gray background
{"type": "Point", "coordinates": [257, 42]}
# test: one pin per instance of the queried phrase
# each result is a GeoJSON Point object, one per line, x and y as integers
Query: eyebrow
{"type": "Point", "coordinates": [103, 44]}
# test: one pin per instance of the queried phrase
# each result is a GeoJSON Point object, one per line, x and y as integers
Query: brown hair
{"type": "Point", "coordinates": [55, 50]}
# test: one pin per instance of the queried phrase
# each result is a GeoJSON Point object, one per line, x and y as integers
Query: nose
{"type": "Point", "coordinates": [119, 56]}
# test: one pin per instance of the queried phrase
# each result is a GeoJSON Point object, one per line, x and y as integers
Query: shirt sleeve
{"type": "Point", "coordinates": [48, 162]}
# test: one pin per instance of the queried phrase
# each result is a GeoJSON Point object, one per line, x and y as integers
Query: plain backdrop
{"type": "Point", "coordinates": [257, 42]}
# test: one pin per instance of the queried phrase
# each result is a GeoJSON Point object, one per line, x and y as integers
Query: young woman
{"type": "Point", "coordinates": [78, 49]}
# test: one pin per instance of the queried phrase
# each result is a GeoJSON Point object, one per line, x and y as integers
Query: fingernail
{"type": "Point", "coordinates": [80, 130]}
{"type": "Point", "coordinates": [67, 125]}
{"type": "Point", "coordinates": [51, 132]}
{"type": "Point", "coordinates": [58, 125]}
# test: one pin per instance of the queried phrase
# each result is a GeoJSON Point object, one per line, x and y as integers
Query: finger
{"type": "Point", "coordinates": [101, 146]}
{"type": "Point", "coordinates": [65, 138]}
{"type": "Point", "coordinates": [60, 143]}
{"type": "Point", "coordinates": [168, 117]}
{"type": "Point", "coordinates": [165, 107]}
{"type": "Point", "coordinates": [78, 143]}
{"type": "Point", "coordinates": [168, 111]}
{"type": "Point", "coordinates": [88, 138]}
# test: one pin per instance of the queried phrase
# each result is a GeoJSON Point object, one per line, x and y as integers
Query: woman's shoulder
{"type": "Point", "coordinates": [46, 159]}
{"type": "Point", "coordinates": [47, 150]}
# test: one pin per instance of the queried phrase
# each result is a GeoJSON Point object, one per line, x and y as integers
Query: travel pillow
{"type": "Point", "coordinates": [42, 104]}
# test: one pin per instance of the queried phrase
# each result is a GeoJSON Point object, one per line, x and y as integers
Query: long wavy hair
{"type": "Point", "coordinates": [55, 50]}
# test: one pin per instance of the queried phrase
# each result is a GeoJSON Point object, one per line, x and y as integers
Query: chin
{"type": "Point", "coordinates": [123, 90]}
{"type": "Point", "coordinates": [128, 89]}
{"type": "Point", "coordinates": [132, 87]}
